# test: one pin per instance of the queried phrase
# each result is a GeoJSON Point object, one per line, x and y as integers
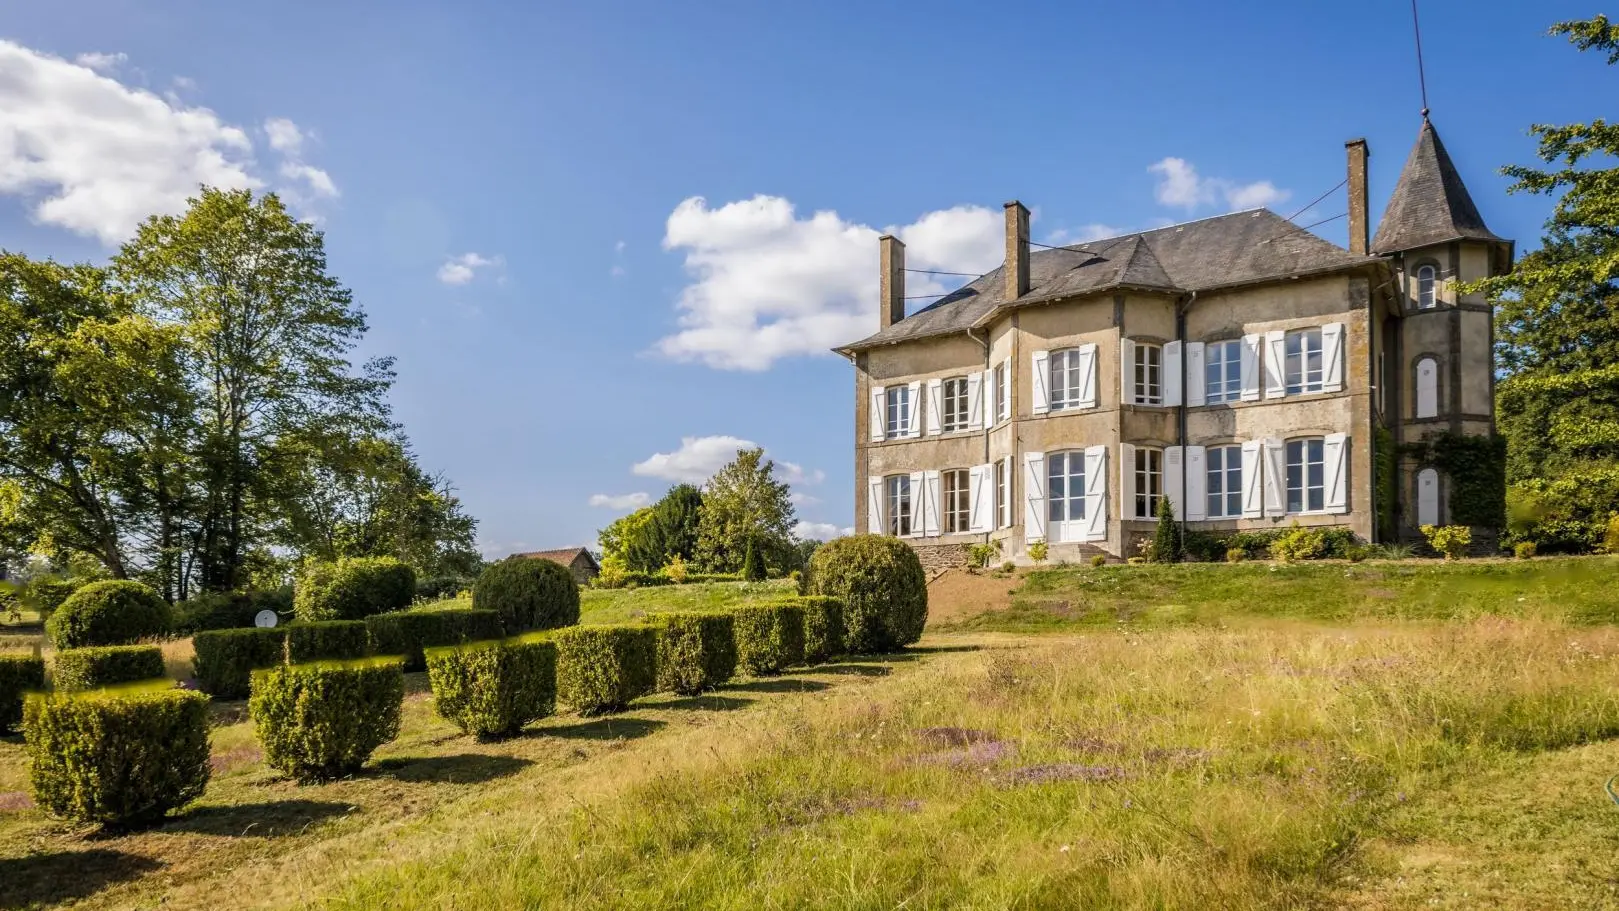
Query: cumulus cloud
{"type": "Point", "coordinates": [308, 183]}
{"type": "Point", "coordinates": [1180, 185]}
{"type": "Point", "coordinates": [458, 270]}
{"type": "Point", "coordinates": [623, 502]}
{"type": "Point", "coordinates": [767, 283]}
{"type": "Point", "coordinates": [95, 156]}
{"type": "Point", "coordinates": [819, 531]}
{"type": "Point", "coordinates": [1082, 234]}
{"type": "Point", "coordinates": [699, 457]}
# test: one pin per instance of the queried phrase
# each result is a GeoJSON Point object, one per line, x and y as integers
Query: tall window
{"type": "Point", "coordinates": [1222, 372]}
{"type": "Point", "coordinates": [955, 404]}
{"type": "Point", "coordinates": [898, 494]}
{"type": "Point", "coordinates": [1149, 374]}
{"type": "Point", "coordinates": [1225, 481]}
{"type": "Point", "coordinates": [1303, 361]}
{"type": "Point", "coordinates": [957, 505]}
{"type": "Point", "coordinates": [899, 411]}
{"type": "Point", "coordinates": [1003, 507]}
{"type": "Point", "coordinates": [1067, 385]}
{"type": "Point", "coordinates": [1065, 490]}
{"type": "Point", "coordinates": [1425, 287]}
{"type": "Point", "coordinates": [1149, 482]}
{"type": "Point", "coordinates": [1003, 390]}
{"type": "Point", "coordinates": [1306, 475]}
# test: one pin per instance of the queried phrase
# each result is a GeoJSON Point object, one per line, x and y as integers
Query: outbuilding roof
{"type": "Point", "coordinates": [1430, 204]}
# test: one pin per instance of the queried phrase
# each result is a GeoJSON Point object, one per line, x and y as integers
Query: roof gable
{"type": "Point", "coordinates": [1430, 204]}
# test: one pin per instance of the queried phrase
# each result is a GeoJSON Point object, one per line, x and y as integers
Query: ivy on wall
{"type": "Point", "coordinates": [1385, 482]}
{"type": "Point", "coordinates": [1477, 469]}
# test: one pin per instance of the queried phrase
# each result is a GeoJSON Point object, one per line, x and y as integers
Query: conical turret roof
{"type": "Point", "coordinates": [1430, 204]}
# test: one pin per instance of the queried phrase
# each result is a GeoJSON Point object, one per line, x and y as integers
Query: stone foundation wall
{"type": "Point", "coordinates": [936, 557]}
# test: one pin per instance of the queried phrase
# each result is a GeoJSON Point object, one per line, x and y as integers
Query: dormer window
{"type": "Point", "coordinates": [1425, 287]}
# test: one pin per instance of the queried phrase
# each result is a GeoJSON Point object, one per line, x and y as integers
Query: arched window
{"type": "Point", "coordinates": [1425, 287]}
{"type": "Point", "coordinates": [1427, 497]}
{"type": "Point", "coordinates": [1427, 387]}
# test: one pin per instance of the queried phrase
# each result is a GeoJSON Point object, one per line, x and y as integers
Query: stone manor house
{"type": "Point", "coordinates": [1237, 366]}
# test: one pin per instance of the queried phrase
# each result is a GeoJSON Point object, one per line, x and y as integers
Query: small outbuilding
{"type": "Point", "coordinates": [577, 560]}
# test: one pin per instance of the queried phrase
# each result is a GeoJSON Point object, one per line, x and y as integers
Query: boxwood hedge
{"type": "Point", "coordinates": [105, 665]}
{"type": "Point", "coordinates": [696, 651]}
{"type": "Point", "coordinates": [600, 669]}
{"type": "Point", "coordinates": [407, 633]}
{"type": "Point", "coordinates": [327, 640]}
{"type": "Point", "coordinates": [492, 689]}
{"type": "Point", "coordinates": [882, 586]}
{"type": "Point", "coordinates": [769, 637]}
{"type": "Point", "coordinates": [353, 588]}
{"type": "Point", "coordinates": [528, 593]}
{"type": "Point", "coordinates": [823, 628]}
{"type": "Point", "coordinates": [111, 612]}
{"type": "Point", "coordinates": [117, 756]}
{"type": "Point", "coordinates": [226, 658]}
{"type": "Point", "coordinates": [324, 720]}
{"type": "Point", "coordinates": [19, 674]}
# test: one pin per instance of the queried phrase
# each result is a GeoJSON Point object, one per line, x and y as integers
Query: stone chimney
{"type": "Point", "coordinates": [1359, 239]}
{"type": "Point", "coordinates": [891, 286]}
{"type": "Point", "coordinates": [1017, 250]}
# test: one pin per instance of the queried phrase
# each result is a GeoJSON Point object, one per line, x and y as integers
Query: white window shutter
{"type": "Point", "coordinates": [1427, 389]}
{"type": "Point", "coordinates": [879, 414]}
{"type": "Point", "coordinates": [1172, 375]}
{"type": "Point", "coordinates": [1003, 402]}
{"type": "Point", "coordinates": [1096, 493]}
{"type": "Point", "coordinates": [1332, 357]}
{"type": "Point", "coordinates": [1127, 481]}
{"type": "Point", "coordinates": [1127, 372]}
{"type": "Point", "coordinates": [931, 481]}
{"type": "Point", "coordinates": [1427, 497]}
{"type": "Point", "coordinates": [935, 411]}
{"type": "Point", "coordinates": [1253, 491]}
{"type": "Point", "coordinates": [1087, 375]}
{"type": "Point", "coordinates": [1034, 497]}
{"type": "Point", "coordinates": [1196, 389]}
{"type": "Point", "coordinates": [1275, 364]}
{"type": "Point", "coordinates": [1040, 381]}
{"type": "Point", "coordinates": [874, 506]}
{"type": "Point", "coordinates": [1174, 478]}
{"type": "Point", "coordinates": [914, 397]}
{"type": "Point", "coordinates": [981, 499]}
{"type": "Point", "coordinates": [1197, 484]}
{"type": "Point", "coordinates": [1003, 507]}
{"type": "Point", "coordinates": [919, 501]}
{"type": "Point", "coordinates": [975, 399]}
{"type": "Point", "coordinates": [1250, 367]}
{"type": "Point", "coordinates": [1275, 478]}
{"type": "Point", "coordinates": [1335, 455]}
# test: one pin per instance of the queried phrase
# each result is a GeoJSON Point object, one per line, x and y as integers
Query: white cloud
{"type": "Point", "coordinates": [794, 473]}
{"type": "Point", "coordinates": [319, 182]}
{"type": "Point", "coordinates": [699, 457]}
{"type": "Point", "coordinates": [803, 499]}
{"type": "Point", "coordinates": [101, 63]}
{"type": "Point", "coordinates": [1180, 185]}
{"type": "Point", "coordinates": [768, 284]}
{"type": "Point", "coordinates": [621, 502]}
{"type": "Point", "coordinates": [818, 531]}
{"type": "Point", "coordinates": [458, 270]}
{"type": "Point", "coordinates": [1082, 234]}
{"type": "Point", "coordinates": [97, 157]}
{"type": "Point", "coordinates": [285, 137]}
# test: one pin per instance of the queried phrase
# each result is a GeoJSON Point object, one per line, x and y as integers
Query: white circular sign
{"type": "Point", "coordinates": [265, 618]}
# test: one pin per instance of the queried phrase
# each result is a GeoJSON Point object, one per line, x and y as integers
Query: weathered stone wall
{"type": "Point", "coordinates": [936, 557]}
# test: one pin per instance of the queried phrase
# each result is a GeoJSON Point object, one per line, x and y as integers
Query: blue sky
{"type": "Point", "coordinates": [606, 240]}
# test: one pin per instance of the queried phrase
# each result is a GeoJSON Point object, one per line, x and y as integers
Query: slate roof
{"type": "Point", "coordinates": [1226, 250]}
{"type": "Point", "coordinates": [565, 556]}
{"type": "Point", "coordinates": [1430, 204]}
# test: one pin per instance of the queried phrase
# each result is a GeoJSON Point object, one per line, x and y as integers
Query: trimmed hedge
{"type": "Point", "coordinates": [696, 651]}
{"type": "Point", "coordinates": [229, 610]}
{"type": "Point", "coordinates": [353, 588]}
{"type": "Point", "coordinates": [769, 637]}
{"type": "Point", "coordinates": [491, 689]}
{"type": "Point", "coordinates": [112, 612]}
{"type": "Point", "coordinates": [600, 669]}
{"type": "Point", "coordinates": [324, 720]}
{"type": "Point", "coordinates": [117, 756]}
{"type": "Point", "coordinates": [528, 593]}
{"type": "Point", "coordinates": [226, 658]}
{"type": "Point", "coordinates": [882, 586]}
{"type": "Point", "coordinates": [407, 633]}
{"type": "Point", "coordinates": [19, 674]}
{"type": "Point", "coordinates": [823, 627]}
{"type": "Point", "coordinates": [327, 640]}
{"type": "Point", "coordinates": [105, 665]}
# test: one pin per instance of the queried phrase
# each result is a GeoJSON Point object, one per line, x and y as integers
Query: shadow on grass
{"type": "Point", "coordinates": [851, 669]}
{"type": "Point", "coordinates": [462, 768]}
{"type": "Point", "coordinates": [779, 685]}
{"type": "Point", "coordinates": [912, 652]}
{"type": "Point", "coordinates": [707, 702]}
{"type": "Point", "coordinates": [608, 728]}
{"type": "Point", "coordinates": [52, 879]}
{"type": "Point", "coordinates": [257, 820]}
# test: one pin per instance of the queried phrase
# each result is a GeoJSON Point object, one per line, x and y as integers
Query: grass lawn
{"type": "Point", "coordinates": [1334, 757]}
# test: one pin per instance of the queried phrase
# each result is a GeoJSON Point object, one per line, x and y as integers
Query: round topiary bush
{"type": "Point", "coordinates": [114, 612]}
{"type": "Point", "coordinates": [528, 593]}
{"type": "Point", "coordinates": [353, 588]}
{"type": "Point", "coordinates": [882, 586]}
